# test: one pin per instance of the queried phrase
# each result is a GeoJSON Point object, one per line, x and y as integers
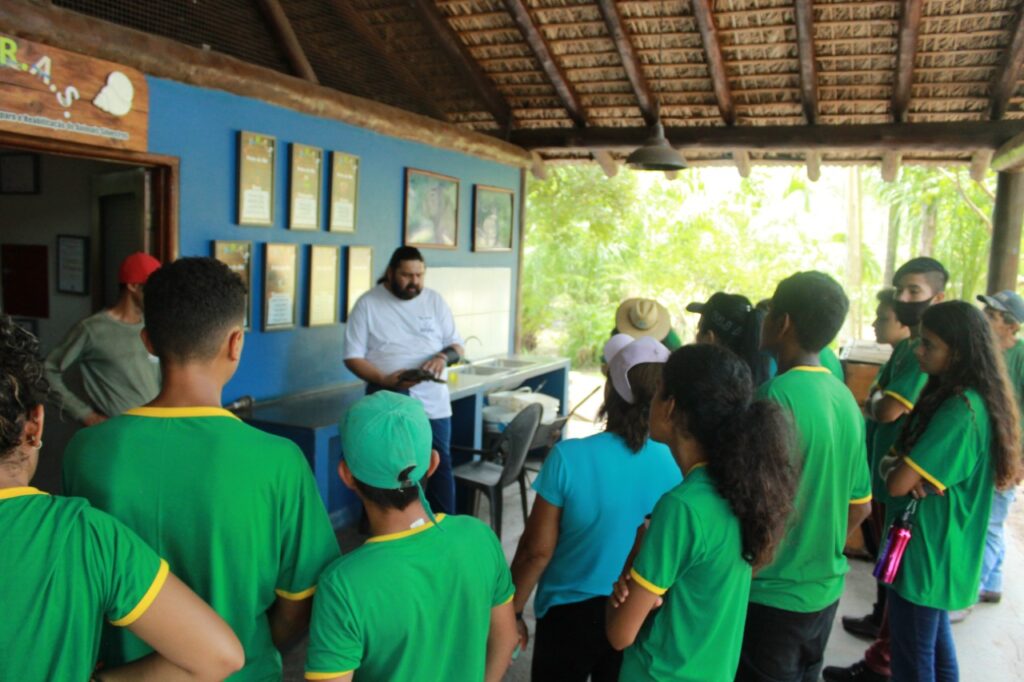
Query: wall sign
{"type": "Point", "coordinates": [238, 257]}
{"type": "Point", "coordinates": [360, 275]}
{"type": "Point", "coordinates": [280, 272]}
{"type": "Point", "coordinates": [324, 282]}
{"type": "Point", "coordinates": [344, 192]}
{"type": "Point", "coordinates": [72, 264]}
{"type": "Point", "coordinates": [304, 200]}
{"type": "Point", "coordinates": [61, 95]}
{"type": "Point", "coordinates": [256, 179]}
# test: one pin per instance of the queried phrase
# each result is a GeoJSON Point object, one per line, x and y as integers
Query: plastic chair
{"type": "Point", "coordinates": [502, 464]}
{"type": "Point", "coordinates": [547, 436]}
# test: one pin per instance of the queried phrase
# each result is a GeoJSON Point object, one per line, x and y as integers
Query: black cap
{"type": "Point", "coordinates": [724, 313]}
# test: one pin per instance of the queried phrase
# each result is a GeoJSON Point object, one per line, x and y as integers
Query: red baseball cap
{"type": "Point", "coordinates": [136, 268]}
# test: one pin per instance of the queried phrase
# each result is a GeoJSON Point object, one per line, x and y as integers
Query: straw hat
{"type": "Point", "coordinates": [643, 317]}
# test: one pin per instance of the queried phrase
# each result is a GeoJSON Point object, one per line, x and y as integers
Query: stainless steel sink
{"type": "Point", "coordinates": [510, 363]}
{"type": "Point", "coordinates": [481, 370]}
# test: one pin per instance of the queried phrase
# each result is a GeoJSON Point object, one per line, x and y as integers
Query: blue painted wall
{"type": "Point", "coordinates": [201, 126]}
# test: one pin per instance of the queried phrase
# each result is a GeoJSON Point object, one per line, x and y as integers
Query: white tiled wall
{"type": "Point", "coordinates": [481, 301]}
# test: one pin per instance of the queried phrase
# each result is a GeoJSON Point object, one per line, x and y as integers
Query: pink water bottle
{"type": "Point", "coordinates": [891, 556]}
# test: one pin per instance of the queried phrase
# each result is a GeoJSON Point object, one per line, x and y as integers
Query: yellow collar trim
{"type": "Point", "coordinates": [698, 465]}
{"type": "Point", "coordinates": [405, 533]}
{"type": "Point", "coordinates": [19, 491]}
{"type": "Point", "coordinates": [810, 368]}
{"type": "Point", "coordinates": [173, 412]}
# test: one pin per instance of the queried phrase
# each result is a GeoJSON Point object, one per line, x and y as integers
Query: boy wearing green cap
{"type": "Point", "coordinates": [426, 598]}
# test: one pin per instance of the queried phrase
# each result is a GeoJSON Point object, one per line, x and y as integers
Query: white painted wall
{"type": "Point", "coordinates": [481, 302]}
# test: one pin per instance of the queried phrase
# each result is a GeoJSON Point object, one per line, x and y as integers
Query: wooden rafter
{"type": "Point", "coordinates": [521, 15]}
{"type": "Point", "coordinates": [351, 16]}
{"type": "Point", "coordinates": [1004, 81]}
{"type": "Point", "coordinates": [741, 158]}
{"type": "Point", "coordinates": [910, 26]}
{"type": "Point", "coordinates": [608, 164]}
{"type": "Point", "coordinates": [437, 26]}
{"type": "Point", "coordinates": [980, 163]}
{"type": "Point", "coordinates": [808, 67]}
{"type": "Point", "coordinates": [285, 34]}
{"type": "Point", "coordinates": [716, 63]}
{"type": "Point", "coordinates": [891, 166]}
{"type": "Point", "coordinates": [813, 166]}
{"type": "Point", "coordinates": [538, 167]}
{"type": "Point", "coordinates": [620, 36]}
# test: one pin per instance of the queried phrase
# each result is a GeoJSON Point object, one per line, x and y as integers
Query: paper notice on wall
{"type": "Point", "coordinates": [256, 205]}
{"type": "Point", "coordinates": [279, 309]}
{"type": "Point", "coordinates": [344, 215]}
{"type": "Point", "coordinates": [304, 211]}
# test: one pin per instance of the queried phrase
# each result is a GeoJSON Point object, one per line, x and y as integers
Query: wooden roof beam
{"type": "Point", "coordinates": [351, 16]}
{"type": "Point", "coordinates": [808, 67]}
{"type": "Point", "coordinates": [716, 63]}
{"type": "Point", "coordinates": [813, 165]}
{"type": "Point", "coordinates": [980, 162]}
{"type": "Point", "coordinates": [1010, 156]}
{"type": "Point", "coordinates": [906, 52]}
{"type": "Point", "coordinates": [437, 26]}
{"type": "Point", "coordinates": [538, 167]}
{"type": "Point", "coordinates": [741, 158]}
{"type": "Point", "coordinates": [891, 166]}
{"type": "Point", "coordinates": [608, 164]}
{"type": "Point", "coordinates": [620, 36]}
{"type": "Point", "coordinates": [1004, 81]}
{"type": "Point", "coordinates": [289, 42]}
{"type": "Point", "coordinates": [539, 47]}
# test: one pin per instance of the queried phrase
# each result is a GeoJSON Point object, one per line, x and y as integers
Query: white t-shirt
{"type": "Point", "coordinates": [394, 334]}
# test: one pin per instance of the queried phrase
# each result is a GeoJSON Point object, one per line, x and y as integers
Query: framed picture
{"type": "Point", "coordinates": [360, 275]}
{"type": "Point", "coordinates": [72, 264]}
{"type": "Point", "coordinates": [431, 210]}
{"type": "Point", "coordinates": [256, 156]}
{"type": "Point", "coordinates": [19, 174]}
{"type": "Point", "coordinates": [305, 180]}
{"type": "Point", "coordinates": [492, 218]}
{"type": "Point", "coordinates": [344, 192]}
{"type": "Point", "coordinates": [280, 272]}
{"type": "Point", "coordinates": [238, 257]}
{"type": "Point", "coordinates": [324, 283]}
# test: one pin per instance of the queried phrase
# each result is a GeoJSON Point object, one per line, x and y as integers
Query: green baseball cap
{"type": "Point", "coordinates": [386, 440]}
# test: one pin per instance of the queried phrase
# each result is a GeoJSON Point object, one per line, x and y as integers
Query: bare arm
{"type": "Point", "coordinates": [501, 641]}
{"type": "Point", "coordinates": [855, 515]}
{"type": "Point", "coordinates": [191, 641]}
{"type": "Point", "coordinates": [288, 620]}
{"type": "Point", "coordinates": [368, 372]}
{"type": "Point", "coordinates": [536, 547]}
{"type": "Point", "coordinates": [627, 609]}
{"type": "Point", "coordinates": [885, 408]}
{"type": "Point", "coordinates": [436, 364]}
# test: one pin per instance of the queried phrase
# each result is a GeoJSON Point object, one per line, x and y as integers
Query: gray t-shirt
{"type": "Point", "coordinates": [117, 371]}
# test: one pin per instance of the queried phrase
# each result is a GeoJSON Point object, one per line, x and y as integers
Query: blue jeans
{"type": "Point", "coordinates": [995, 543]}
{"type": "Point", "coordinates": [922, 643]}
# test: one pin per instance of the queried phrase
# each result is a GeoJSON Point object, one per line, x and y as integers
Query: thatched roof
{"type": "Point", "coordinates": [543, 73]}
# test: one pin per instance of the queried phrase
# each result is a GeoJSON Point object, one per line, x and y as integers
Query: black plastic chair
{"type": "Point", "coordinates": [502, 464]}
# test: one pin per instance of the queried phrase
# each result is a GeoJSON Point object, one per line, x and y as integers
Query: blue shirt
{"type": "Point", "coordinates": [604, 490]}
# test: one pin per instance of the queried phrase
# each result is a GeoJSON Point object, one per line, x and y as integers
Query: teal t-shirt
{"type": "Point", "coordinates": [831, 454]}
{"type": "Point", "coordinates": [604, 490]}
{"type": "Point", "coordinates": [692, 555]}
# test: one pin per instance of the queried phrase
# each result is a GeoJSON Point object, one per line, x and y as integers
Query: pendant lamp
{"type": "Point", "coordinates": [656, 154]}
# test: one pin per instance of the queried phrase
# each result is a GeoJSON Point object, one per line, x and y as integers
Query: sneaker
{"type": "Point", "coordinates": [858, 672]}
{"type": "Point", "coordinates": [865, 626]}
{"type": "Point", "coordinates": [988, 597]}
{"type": "Point", "coordinates": [959, 616]}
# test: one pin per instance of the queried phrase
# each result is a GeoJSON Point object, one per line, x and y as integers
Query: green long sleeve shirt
{"type": "Point", "coordinates": [117, 371]}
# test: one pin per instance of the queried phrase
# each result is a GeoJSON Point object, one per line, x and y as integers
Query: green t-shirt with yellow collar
{"type": "Point", "coordinates": [831, 455]}
{"type": "Point", "coordinates": [1014, 357]}
{"type": "Point", "coordinates": [692, 554]}
{"type": "Point", "coordinates": [66, 568]}
{"type": "Point", "coordinates": [901, 379]}
{"type": "Point", "coordinates": [234, 510]}
{"type": "Point", "coordinates": [941, 567]}
{"type": "Point", "coordinates": [414, 605]}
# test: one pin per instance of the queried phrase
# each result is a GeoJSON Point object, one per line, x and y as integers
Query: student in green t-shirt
{"type": "Point", "coordinates": [426, 598]}
{"type": "Point", "coordinates": [234, 510]}
{"type": "Point", "coordinates": [730, 320]}
{"type": "Point", "coordinates": [67, 567]}
{"type": "Point", "coordinates": [681, 605]}
{"type": "Point", "coordinates": [793, 599]}
{"type": "Point", "coordinates": [961, 442]}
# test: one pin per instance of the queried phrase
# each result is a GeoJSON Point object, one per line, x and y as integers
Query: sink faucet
{"type": "Point", "coordinates": [465, 345]}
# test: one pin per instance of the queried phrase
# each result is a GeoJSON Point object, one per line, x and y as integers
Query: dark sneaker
{"type": "Point", "coordinates": [858, 672]}
{"type": "Point", "coordinates": [987, 597]}
{"type": "Point", "coordinates": [865, 626]}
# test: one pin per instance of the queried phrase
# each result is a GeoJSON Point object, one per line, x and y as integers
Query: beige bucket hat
{"type": "Point", "coordinates": [643, 317]}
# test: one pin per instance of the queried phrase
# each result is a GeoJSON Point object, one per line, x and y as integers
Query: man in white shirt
{"type": "Point", "coordinates": [399, 327]}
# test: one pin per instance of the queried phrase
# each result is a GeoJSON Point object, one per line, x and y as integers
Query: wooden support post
{"type": "Point", "coordinates": [607, 163]}
{"type": "Point", "coordinates": [705, 19]}
{"type": "Point", "coordinates": [1006, 75]}
{"type": "Point", "coordinates": [891, 166]}
{"type": "Point", "coordinates": [910, 25]}
{"type": "Point", "coordinates": [538, 167]}
{"type": "Point", "coordinates": [1004, 256]}
{"type": "Point", "coordinates": [1010, 156]}
{"type": "Point", "coordinates": [742, 159]}
{"type": "Point", "coordinates": [282, 28]}
{"type": "Point", "coordinates": [813, 166]}
{"type": "Point", "coordinates": [630, 64]}
{"type": "Point", "coordinates": [980, 162]}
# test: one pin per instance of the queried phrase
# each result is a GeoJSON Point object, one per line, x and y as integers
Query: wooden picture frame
{"type": "Point", "coordinates": [492, 218]}
{"type": "Point", "coordinates": [344, 197]}
{"type": "Point", "coordinates": [256, 178]}
{"type": "Point", "coordinates": [19, 173]}
{"type": "Point", "coordinates": [358, 275]}
{"type": "Point", "coordinates": [72, 264]}
{"type": "Point", "coordinates": [324, 285]}
{"type": "Point", "coordinates": [280, 284]}
{"type": "Point", "coordinates": [431, 210]}
{"type": "Point", "coordinates": [237, 255]}
{"type": "Point", "coordinates": [305, 181]}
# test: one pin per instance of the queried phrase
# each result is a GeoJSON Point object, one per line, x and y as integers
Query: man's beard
{"type": "Point", "coordinates": [408, 293]}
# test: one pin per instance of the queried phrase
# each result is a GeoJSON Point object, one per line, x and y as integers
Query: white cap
{"type": "Point", "coordinates": [613, 345]}
{"type": "Point", "coordinates": [644, 349]}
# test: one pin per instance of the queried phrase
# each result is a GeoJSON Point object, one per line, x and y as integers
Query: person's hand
{"type": "Point", "coordinates": [524, 633]}
{"type": "Point", "coordinates": [923, 489]}
{"type": "Point", "coordinates": [435, 365]}
{"type": "Point", "coordinates": [94, 418]}
{"type": "Point", "coordinates": [620, 591]}
{"type": "Point", "coordinates": [394, 381]}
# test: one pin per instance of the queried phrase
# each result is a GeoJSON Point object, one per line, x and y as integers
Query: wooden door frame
{"type": "Point", "coordinates": [165, 173]}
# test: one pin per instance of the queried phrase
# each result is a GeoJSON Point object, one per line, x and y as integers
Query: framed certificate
{"type": "Point", "coordinates": [238, 257]}
{"type": "Point", "coordinates": [492, 219]}
{"type": "Point", "coordinates": [324, 282]}
{"type": "Point", "coordinates": [72, 264]}
{"type": "Point", "coordinates": [256, 179]}
{"type": "Point", "coordinates": [344, 192]}
{"type": "Point", "coordinates": [360, 275]}
{"type": "Point", "coordinates": [305, 180]}
{"type": "Point", "coordinates": [280, 270]}
{"type": "Point", "coordinates": [431, 210]}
